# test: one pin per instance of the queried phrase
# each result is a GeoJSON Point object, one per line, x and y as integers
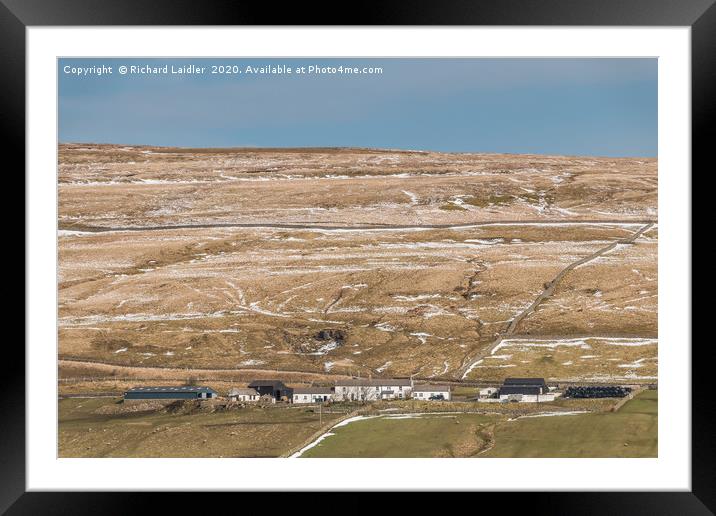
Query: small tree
{"type": "Point", "coordinates": [191, 381]}
{"type": "Point", "coordinates": [365, 392]}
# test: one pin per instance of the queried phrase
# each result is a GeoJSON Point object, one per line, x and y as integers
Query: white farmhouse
{"type": "Point", "coordinates": [312, 394]}
{"type": "Point", "coordinates": [244, 395]}
{"type": "Point", "coordinates": [432, 392]}
{"type": "Point", "coordinates": [372, 390]}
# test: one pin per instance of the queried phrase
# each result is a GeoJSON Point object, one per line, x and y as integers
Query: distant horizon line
{"type": "Point", "coordinates": [344, 147]}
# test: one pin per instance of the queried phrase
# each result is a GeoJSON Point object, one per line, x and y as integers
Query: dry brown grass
{"type": "Point", "coordinates": [407, 301]}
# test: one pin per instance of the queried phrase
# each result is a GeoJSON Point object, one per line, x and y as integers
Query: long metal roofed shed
{"type": "Point", "coordinates": [169, 393]}
{"type": "Point", "coordinates": [524, 386]}
{"type": "Point", "coordinates": [524, 381]}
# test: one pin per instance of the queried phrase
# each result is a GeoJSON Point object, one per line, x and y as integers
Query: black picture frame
{"type": "Point", "coordinates": [700, 15]}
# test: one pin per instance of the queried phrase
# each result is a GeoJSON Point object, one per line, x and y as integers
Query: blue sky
{"type": "Point", "coordinates": [598, 107]}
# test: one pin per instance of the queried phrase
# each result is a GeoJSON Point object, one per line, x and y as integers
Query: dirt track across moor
{"type": "Point", "coordinates": [547, 292]}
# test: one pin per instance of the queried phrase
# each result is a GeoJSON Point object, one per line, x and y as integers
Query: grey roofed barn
{"type": "Point", "coordinates": [275, 388]}
{"type": "Point", "coordinates": [277, 384]}
{"type": "Point", "coordinates": [242, 392]}
{"type": "Point", "coordinates": [431, 388]}
{"type": "Point", "coordinates": [524, 381]}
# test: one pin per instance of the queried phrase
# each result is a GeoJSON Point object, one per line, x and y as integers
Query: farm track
{"type": "Point", "coordinates": [362, 227]}
{"type": "Point", "coordinates": [324, 429]}
{"type": "Point", "coordinates": [546, 293]}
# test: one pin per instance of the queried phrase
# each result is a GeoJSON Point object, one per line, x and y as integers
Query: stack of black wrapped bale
{"type": "Point", "coordinates": [605, 391]}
